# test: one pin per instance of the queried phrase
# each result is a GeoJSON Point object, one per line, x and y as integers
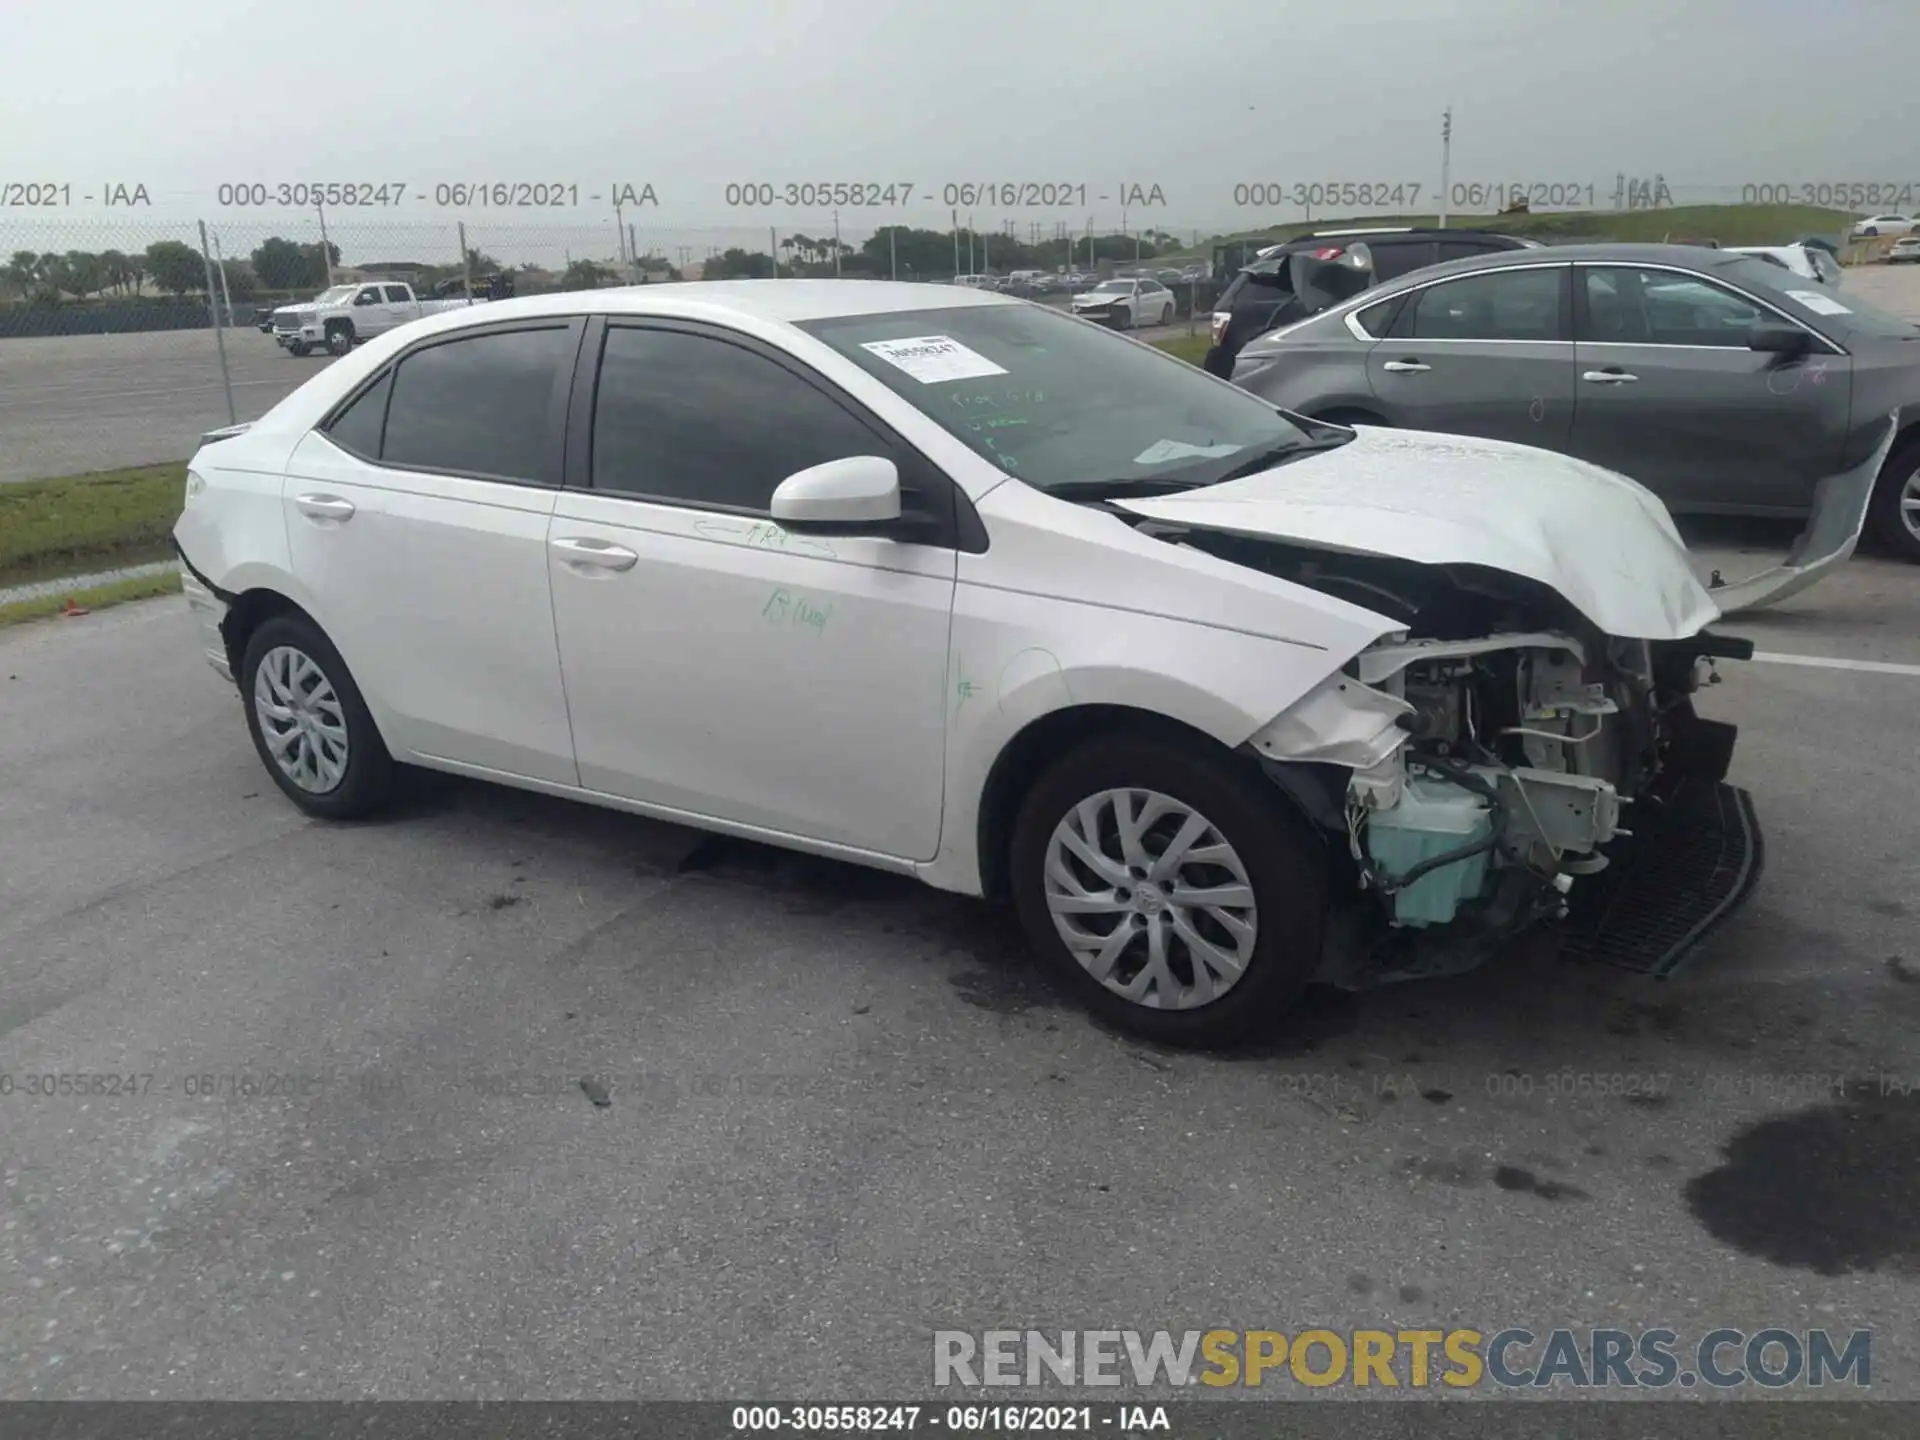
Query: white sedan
{"type": "Point", "coordinates": [1223, 699]}
{"type": "Point", "coordinates": [1127, 303]}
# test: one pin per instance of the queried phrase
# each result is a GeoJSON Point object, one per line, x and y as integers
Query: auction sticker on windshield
{"type": "Point", "coordinates": [1818, 303]}
{"type": "Point", "coordinates": [930, 359]}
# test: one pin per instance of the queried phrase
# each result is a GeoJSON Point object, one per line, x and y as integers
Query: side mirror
{"type": "Point", "coordinates": [1358, 257]}
{"type": "Point", "coordinates": [859, 495]}
{"type": "Point", "coordinates": [1786, 341]}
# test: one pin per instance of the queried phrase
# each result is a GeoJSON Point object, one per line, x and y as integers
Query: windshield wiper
{"type": "Point", "coordinates": [1123, 487]}
{"type": "Point", "coordinates": [1275, 454]}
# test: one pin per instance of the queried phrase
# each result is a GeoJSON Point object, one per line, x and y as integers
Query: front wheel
{"type": "Point", "coordinates": [310, 727]}
{"type": "Point", "coordinates": [1170, 888]}
{"type": "Point", "coordinates": [298, 349]}
{"type": "Point", "coordinates": [339, 339]}
{"type": "Point", "coordinates": [1894, 511]}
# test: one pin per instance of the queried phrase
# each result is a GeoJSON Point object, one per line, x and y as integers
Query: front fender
{"type": "Point", "coordinates": [1016, 660]}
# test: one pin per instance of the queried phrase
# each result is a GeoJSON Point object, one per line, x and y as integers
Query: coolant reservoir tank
{"type": "Point", "coordinates": [1433, 817]}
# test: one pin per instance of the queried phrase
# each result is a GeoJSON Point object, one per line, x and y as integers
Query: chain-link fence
{"type": "Point", "coordinates": [106, 359]}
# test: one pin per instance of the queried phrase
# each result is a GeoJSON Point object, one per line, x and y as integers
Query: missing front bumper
{"type": "Point", "coordinates": [1683, 874]}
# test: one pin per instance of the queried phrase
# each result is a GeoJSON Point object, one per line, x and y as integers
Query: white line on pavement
{"type": "Point", "coordinates": [1825, 662]}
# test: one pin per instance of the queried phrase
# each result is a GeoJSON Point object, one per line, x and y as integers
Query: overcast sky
{"type": "Point", "coordinates": [1193, 96]}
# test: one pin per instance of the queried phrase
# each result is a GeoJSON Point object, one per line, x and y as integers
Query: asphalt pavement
{"type": "Point", "coordinates": [351, 1155]}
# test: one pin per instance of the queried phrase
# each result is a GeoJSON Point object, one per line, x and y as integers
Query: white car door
{"type": "Point", "coordinates": [717, 665]}
{"type": "Point", "coordinates": [417, 523]}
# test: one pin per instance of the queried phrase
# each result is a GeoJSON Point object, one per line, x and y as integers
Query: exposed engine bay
{"type": "Point", "coordinates": [1491, 754]}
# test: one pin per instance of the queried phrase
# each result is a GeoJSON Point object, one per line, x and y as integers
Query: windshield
{"type": "Point", "coordinates": [332, 296]}
{"type": "Point", "coordinates": [1838, 314]}
{"type": "Point", "coordinates": [1055, 401]}
{"type": "Point", "coordinates": [1113, 287]}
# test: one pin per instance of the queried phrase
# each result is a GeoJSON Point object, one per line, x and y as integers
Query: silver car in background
{"type": "Point", "coordinates": [1721, 382]}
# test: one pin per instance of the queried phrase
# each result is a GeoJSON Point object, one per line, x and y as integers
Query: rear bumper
{"type": "Point", "coordinates": [209, 611]}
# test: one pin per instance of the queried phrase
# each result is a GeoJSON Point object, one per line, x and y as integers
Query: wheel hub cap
{"type": "Point", "coordinates": [301, 719]}
{"type": "Point", "coordinates": [1150, 899]}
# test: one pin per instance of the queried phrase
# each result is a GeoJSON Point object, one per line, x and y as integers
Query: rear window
{"type": "Point", "coordinates": [1257, 286]}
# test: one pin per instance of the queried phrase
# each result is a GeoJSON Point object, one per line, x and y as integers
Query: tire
{"type": "Point", "coordinates": [298, 349]}
{"type": "Point", "coordinates": [340, 338]}
{"type": "Point", "coordinates": [365, 781]}
{"type": "Point", "coordinates": [1167, 315]}
{"type": "Point", "coordinates": [1282, 861]}
{"type": "Point", "coordinates": [1896, 527]}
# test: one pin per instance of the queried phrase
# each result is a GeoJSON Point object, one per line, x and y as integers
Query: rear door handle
{"type": "Point", "coordinates": [595, 554]}
{"type": "Point", "coordinates": [325, 507]}
{"type": "Point", "coordinates": [1609, 377]}
{"type": "Point", "coordinates": [1405, 367]}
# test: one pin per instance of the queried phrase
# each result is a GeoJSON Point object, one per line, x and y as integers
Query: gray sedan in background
{"type": "Point", "coordinates": [1722, 383]}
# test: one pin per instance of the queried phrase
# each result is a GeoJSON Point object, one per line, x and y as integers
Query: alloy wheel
{"type": "Point", "coordinates": [1151, 899]}
{"type": "Point", "coordinates": [301, 719]}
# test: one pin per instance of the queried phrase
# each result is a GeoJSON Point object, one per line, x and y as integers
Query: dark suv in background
{"type": "Point", "coordinates": [1305, 275]}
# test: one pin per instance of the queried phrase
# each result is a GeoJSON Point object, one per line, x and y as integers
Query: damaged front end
{"type": "Point", "coordinates": [1503, 764]}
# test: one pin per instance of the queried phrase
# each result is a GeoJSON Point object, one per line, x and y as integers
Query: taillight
{"type": "Point", "coordinates": [1330, 252]}
{"type": "Point", "coordinates": [1221, 319]}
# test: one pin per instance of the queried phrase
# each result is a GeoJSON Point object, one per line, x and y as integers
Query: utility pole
{"type": "Point", "coordinates": [836, 244]}
{"type": "Point", "coordinates": [219, 331]}
{"type": "Point", "coordinates": [326, 250]}
{"type": "Point", "coordinates": [1446, 163]}
{"type": "Point", "coordinates": [220, 263]}
{"type": "Point", "coordinates": [773, 249]}
{"type": "Point", "coordinates": [893, 252]}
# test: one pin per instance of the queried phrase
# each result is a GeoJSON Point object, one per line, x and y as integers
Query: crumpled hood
{"type": "Point", "coordinates": [1081, 302]}
{"type": "Point", "coordinates": [298, 310]}
{"type": "Point", "coordinates": [1602, 542]}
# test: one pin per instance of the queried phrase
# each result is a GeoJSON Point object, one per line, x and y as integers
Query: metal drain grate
{"type": "Point", "coordinates": [1671, 886]}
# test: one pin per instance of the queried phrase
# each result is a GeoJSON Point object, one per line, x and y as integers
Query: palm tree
{"type": "Point", "coordinates": [22, 270]}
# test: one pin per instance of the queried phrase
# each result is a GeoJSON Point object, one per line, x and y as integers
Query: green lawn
{"type": "Point", "coordinates": [1190, 348]}
{"type": "Point", "coordinates": [50, 528]}
{"type": "Point", "coordinates": [118, 592]}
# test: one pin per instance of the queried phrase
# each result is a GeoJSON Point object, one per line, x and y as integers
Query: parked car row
{"type": "Point", "coordinates": [1222, 698]}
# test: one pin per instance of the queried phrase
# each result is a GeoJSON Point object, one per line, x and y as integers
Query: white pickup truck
{"type": "Point", "coordinates": [340, 317]}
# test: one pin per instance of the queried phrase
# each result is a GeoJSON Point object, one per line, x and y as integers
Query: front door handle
{"type": "Point", "coordinates": [1609, 377]}
{"type": "Point", "coordinates": [1405, 367]}
{"type": "Point", "coordinates": [595, 554]}
{"type": "Point", "coordinates": [325, 507]}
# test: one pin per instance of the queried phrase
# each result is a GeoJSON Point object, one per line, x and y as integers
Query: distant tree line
{"type": "Point", "coordinates": [169, 267]}
{"type": "Point", "coordinates": [923, 254]}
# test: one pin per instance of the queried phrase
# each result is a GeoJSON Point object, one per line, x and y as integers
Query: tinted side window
{"type": "Point", "coordinates": [1506, 305]}
{"type": "Point", "coordinates": [686, 417]}
{"type": "Point", "coordinates": [1461, 249]}
{"type": "Point", "coordinates": [1390, 261]}
{"type": "Point", "coordinates": [1376, 318]}
{"type": "Point", "coordinates": [396, 294]}
{"type": "Point", "coordinates": [1659, 307]}
{"type": "Point", "coordinates": [481, 406]}
{"type": "Point", "coordinates": [358, 427]}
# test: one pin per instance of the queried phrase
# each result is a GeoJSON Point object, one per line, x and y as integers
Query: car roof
{"type": "Point", "coordinates": [1690, 257]}
{"type": "Point", "coordinates": [779, 301]}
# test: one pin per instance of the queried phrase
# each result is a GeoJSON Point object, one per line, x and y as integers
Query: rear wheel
{"type": "Point", "coordinates": [310, 727]}
{"type": "Point", "coordinates": [1169, 889]}
{"type": "Point", "coordinates": [1894, 512]}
